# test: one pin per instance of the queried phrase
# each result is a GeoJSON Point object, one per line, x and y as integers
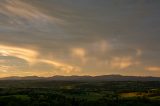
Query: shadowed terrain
{"type": "Point", "coordinates": [79, 91]}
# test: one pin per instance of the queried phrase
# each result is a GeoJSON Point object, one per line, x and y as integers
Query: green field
{"type": "Point", "coordinates": [70, 93]}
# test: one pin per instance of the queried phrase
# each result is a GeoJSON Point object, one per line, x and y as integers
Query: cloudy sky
{"type": "Point", "coordinates": [79, 37]}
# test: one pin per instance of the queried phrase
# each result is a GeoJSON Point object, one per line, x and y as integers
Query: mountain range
{"type": "Point", "coordinates": [87, 78]}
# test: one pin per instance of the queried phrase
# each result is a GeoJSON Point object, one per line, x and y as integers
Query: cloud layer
{"type": "Point", "coordinates": [49, 37]}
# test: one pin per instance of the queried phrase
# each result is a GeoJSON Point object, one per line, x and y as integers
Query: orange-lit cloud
{"type": "Point", "coordinates": [123, 62]}
{"type": "Point", "coordinates": [26, 54]}
{"type": "Point", "coordinates": [153, 68]}
{"type": "Point", "coordinates": [138, 52]}
{"type": "Point", "coordinates": [63, 67]}
{"type": "Point", "coordinates": [101, 46]}
{"type": "Point", "coordinates": [33, 57]}
{"type": "Point", "coordinates": [79, 53]}
{"type": "Point", "coordinates": [4, 68]}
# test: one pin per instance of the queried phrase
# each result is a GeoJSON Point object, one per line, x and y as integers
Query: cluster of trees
{"type": "Point", "coordinates": [79, 94]}
{"type": "Point", "coordinates": [62, 100]}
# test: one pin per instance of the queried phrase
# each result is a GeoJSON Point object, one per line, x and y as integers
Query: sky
{"type": "Point", "coordinates": [79, 37]}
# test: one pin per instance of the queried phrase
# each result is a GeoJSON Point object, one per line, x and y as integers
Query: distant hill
{"type": "Point", "coordinates": [87, 78]}
{"type": "Point", "coordinates": [22, 78]}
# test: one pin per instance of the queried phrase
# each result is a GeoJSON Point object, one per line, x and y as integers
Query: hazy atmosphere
{"type": "Point", "coordinates": [79, 37]}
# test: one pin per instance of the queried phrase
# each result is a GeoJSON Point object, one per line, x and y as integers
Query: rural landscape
{"type": "Point", "coordinates": [79, 52]}
{"type": "Point", "coordinates": [80, 91]}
